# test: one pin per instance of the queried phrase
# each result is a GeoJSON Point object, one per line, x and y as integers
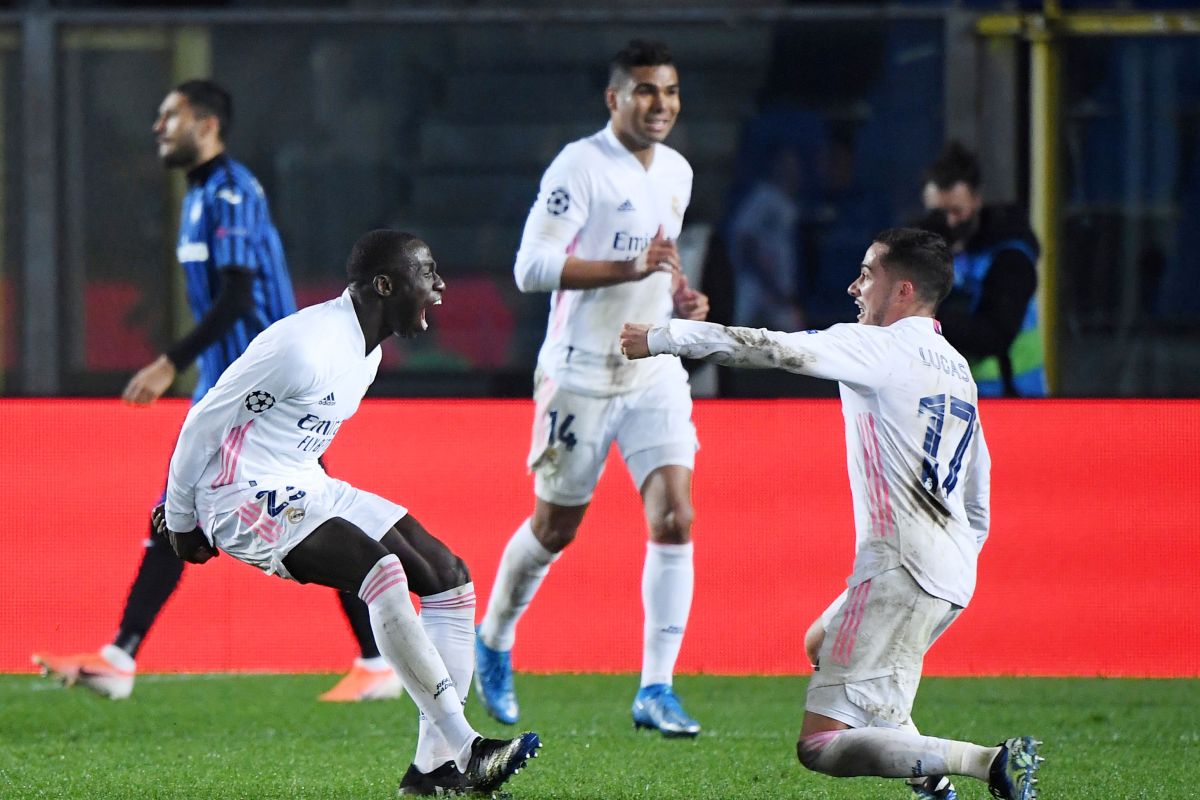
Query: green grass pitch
{"type": "Point", "coordinates": [221, 736]}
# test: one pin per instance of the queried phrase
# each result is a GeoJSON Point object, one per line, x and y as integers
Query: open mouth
{"type": "Point", "coordinates": [422, 321]}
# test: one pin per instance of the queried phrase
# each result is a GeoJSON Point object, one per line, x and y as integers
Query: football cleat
{"type": "Point", "coordinates": [1013, 772]}
{"type": "Point", "coordinates": [656, 706]}
{"type": "Point", "coordinates": [108, 673]}
{"type": "Point", "coordinates": [935, 787]}
{"type": "Point", "coordinates": [494, 682]}
{"type": "Point", "coordinates": [362, 683]}
{"type": "Point", "coordinates": [493, 761]}
{"type": "Point", "coordinates": [445, 781]}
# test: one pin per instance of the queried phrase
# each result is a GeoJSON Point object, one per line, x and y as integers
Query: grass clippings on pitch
{"type": "Point", "coordinates": [217, 737]}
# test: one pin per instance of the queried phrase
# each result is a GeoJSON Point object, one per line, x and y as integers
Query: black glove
{"type": "Point", "coordinates": [191, 547]}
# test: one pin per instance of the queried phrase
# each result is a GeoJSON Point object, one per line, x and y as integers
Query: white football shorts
{"type": "Point", "coordinates": [573, 432]}
{"type": "Point", "coordinates": [875, 643]}
{"type": "Point", "coordinates": [269, 519]}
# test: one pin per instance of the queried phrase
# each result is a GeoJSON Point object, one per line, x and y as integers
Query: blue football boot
{"type": "Point", "coordinates": [494, 682]}
{"type": "Point", "coordinates": [656, 706]}
{"type": "Point", "coordinates": [1013, 772]}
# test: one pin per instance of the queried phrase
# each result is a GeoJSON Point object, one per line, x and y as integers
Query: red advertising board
{"type": "Point", "coordinates": [1090, 569]}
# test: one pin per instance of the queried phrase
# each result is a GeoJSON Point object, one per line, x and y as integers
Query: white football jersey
{"type": "Point", "coordinates": [273, 412]}
{"type": "Point", "coordinates": [598, 202]}
{"type": "Point", "coordinates": [919, 466]}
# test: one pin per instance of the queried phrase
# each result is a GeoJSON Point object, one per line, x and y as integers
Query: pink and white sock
{"type": "Point", "coordinates": [449, 621]}
{"type": "Point", "coordinates": [402, 640]}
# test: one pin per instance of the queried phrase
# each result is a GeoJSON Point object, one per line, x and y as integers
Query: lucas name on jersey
{"type": "Point", "coordinates": [938, 361]}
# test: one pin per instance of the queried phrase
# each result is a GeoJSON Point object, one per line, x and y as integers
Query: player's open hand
{"type": "Point", "coordinates": [689, 303]}
{"type": "Point", "coordinates": [191, 547]}
{"type": "Point", "coordinates": [635, 340]}
{"type": "Point", "coordinates": [150, 382]}
{"type": "Point", "coordinates": [660, 255]}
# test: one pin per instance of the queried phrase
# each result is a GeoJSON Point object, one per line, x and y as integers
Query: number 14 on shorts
{"type": "Point", "coordinates": [561, 433]}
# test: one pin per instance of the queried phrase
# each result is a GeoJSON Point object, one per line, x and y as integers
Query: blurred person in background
{"type": "Point", "coordinates": [237, 285]}
{"type": "Point", "coordinates": [601, 238]}
{"type": "Point", "coordinates": [763, 235]}
{"type": "Point", "coordinates": [991, 315]}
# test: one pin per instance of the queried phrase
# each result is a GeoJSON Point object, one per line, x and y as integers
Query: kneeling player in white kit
{"type": "Point", "coordinates": [920, 480]}
{"type": "Point", "coordinates": [245, 479]}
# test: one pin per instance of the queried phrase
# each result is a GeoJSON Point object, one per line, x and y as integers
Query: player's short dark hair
{"type": "Point", "coordinates": [209, 100]}
{"type": "Point", "coordinates": [638, 53]}
{"type": "Point", "coordinates": [955, 164]}
{"type": "Point", "coordinates": [923, 258]}
{"type": "Point", "coordinates": [378, 252]}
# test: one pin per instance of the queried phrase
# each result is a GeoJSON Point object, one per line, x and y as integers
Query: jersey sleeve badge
{"type": "Point", "coordinates": [559, 202]}
{"type": "Point", "coordinates": [259, 401]}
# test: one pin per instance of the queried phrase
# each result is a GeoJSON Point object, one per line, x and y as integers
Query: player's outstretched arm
{"type": "Point", "coordinates": [843, 353]}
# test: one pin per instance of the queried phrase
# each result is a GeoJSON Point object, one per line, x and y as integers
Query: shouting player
{"type": "Point", "coordinates": [245, 479]}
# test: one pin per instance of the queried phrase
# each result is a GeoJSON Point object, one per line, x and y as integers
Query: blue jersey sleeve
{"type": "Point", "coordinates": [239, 215]}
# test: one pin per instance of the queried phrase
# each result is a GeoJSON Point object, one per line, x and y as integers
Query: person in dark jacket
{"type": "Point", "coordinates": [991, 315]}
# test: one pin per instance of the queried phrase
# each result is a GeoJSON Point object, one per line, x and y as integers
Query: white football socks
{"type": "Point", "coordinates": [891, 753]}
{"type": "Point", "coordinates": [449, 621]}
{"type": "Point", "coordinates": [522, 568]}
{"type": "Point", "coordinates": [667, 582]}
{"type": "Point", "coordinates": [402, 640]}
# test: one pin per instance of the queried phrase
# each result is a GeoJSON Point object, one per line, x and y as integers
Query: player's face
{"type": "Point", "coordinates": [960, 203]}
{"type": "Point", "coordinates": [176, 132]}
{"type": "Point", "coordinates": [417, 289]}
{"type": "Point", "coordinates": [874, 288]}
{"type": "Point", "coordinates": [644, 105]}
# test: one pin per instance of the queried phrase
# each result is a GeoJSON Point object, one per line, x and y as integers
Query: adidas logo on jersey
{"type": "Point", "coordinates": [626, 206]}
{"type": "Point", "coordinates": [328, 400]}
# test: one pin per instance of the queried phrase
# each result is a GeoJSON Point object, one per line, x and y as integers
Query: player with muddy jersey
{"type": "Point", "coordinates": [920, 480]}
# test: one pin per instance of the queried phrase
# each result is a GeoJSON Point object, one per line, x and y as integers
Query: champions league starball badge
{"type": "Point", "coordinates": [259, 401]}
{"type": "Point", "coordinates": [558, 202]}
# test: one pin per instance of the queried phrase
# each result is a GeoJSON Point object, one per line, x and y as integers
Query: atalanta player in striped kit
{"type": "Point", "coordinates": [920, 480]}
{"type": "Point", "coordinates": [237, 285]}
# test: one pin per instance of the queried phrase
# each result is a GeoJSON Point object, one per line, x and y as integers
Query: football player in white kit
{"type": "Point", "coordinates": [244, 479]}
{"type": "Point", "coordinates": [601, 239]}
{"type": "Point", "coordinates": [920, 480]}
